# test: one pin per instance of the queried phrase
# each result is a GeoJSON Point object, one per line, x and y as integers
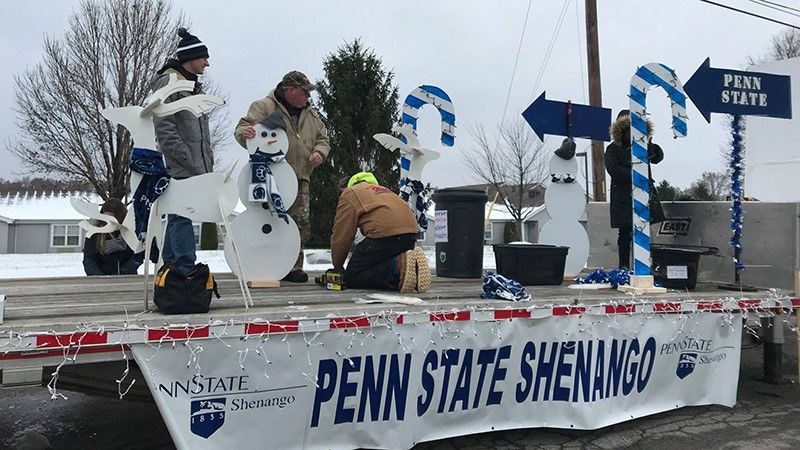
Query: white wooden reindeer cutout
{"type": "Point", "coordinates": [209, 197]}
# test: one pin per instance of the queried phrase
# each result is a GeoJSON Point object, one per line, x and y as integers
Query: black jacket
{"type": "Point", "coordinates": [122, 262]}
{"type": "Point", "coordinates": [618, 165]}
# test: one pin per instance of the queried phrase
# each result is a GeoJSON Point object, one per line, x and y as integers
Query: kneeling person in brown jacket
{"type": "Point", "coordinates": [386, 258]}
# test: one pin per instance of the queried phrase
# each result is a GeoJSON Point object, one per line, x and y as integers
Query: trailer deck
{"type": "Point", "coordinates": [49, 319]}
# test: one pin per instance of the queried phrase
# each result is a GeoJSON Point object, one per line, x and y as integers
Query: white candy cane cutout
{"type": "Point", "coordinates": [413, 158]}
{"type": "Point", "coordinates": [428, 95]}
{"type": "Point", "coordinates": [652, 74]}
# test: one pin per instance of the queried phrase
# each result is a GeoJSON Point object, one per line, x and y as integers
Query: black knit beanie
{"type": "Point", "coordinates": [190, 47]}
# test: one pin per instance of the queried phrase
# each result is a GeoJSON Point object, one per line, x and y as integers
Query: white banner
{"type": "Point", "coordinates": [393, 385]}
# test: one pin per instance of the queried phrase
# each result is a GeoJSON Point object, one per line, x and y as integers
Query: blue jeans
{"type": "Point", "coordinates": [179, 246]}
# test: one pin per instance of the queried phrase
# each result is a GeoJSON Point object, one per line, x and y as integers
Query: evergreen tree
{"type": "Point", "coordinates": [667, 192]}
{"type": "Point", "coordinates": [357, 100]}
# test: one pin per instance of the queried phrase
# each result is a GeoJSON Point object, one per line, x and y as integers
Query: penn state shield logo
{"type": "Point", "coordinates": [208, 415]}
{"type": "Point", "coordinates": [686, 363]}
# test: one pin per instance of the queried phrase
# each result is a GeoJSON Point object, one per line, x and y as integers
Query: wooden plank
{"type": "Point", "coordinates": [70, 303]}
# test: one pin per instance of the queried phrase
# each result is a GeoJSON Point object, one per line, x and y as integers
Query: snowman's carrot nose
{"type": "Point", "coordinates": [272, 142]}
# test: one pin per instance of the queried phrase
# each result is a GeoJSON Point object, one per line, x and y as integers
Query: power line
{"type": "Point", "coordinates": [580, 50]}
{"type": "Point", "coordinates": [767, 5]}
{"type": "Point", "coordinates": [750, 14]}
{"type": "Point", "coordinates": [781, 6]}
{"type": "Point", "coordinates": [516, 61]}
{"type": "Point", "coordinates": [550, 48]}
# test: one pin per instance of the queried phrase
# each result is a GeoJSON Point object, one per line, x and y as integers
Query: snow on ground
{"type": "Point", "coordinates": [71, 264]}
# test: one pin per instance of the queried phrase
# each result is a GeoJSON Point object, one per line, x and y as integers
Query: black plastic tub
{"type": "Point", "coordinates": [531, 264]}
{"type": "Point", "coordinates": [676, 266]}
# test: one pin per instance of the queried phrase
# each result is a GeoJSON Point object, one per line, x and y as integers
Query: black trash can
{"type": "Point", "coordinates": [531, 264]}
{"type": "Point", "coordinates": [459, 232]}
{"type": "Point", "coordinates": [675, 266]}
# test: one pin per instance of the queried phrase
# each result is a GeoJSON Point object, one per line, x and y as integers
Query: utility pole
{"type": "Point", "coordinates": [595, 98]}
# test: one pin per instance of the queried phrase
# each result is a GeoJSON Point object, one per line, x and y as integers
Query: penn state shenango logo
{"type": "Point", "coordinates": [686, 363]}
{"type": "Point", "coordinates": [208, 415]}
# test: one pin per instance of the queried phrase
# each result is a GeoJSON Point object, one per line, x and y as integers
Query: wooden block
{"type": "Point", "coordinates": [255, 284]}
{"type": "Point", "coordinates": [641, 284]}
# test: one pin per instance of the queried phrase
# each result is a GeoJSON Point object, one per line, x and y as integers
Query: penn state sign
{"type": "Point", "coordinates": [741, 92]}
{"type": "Point", "coordinates": [393, 385]}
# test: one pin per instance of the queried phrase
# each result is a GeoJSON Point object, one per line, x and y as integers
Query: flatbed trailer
{"type": "Point", "coordinates": [83, 333]}
{"type": "Point", "coordinates": [95, 315]}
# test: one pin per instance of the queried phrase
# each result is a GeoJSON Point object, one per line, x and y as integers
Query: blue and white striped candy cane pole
{"type": "Point", "coordinates": [652, 74]}
{"type": "Point", "coordinates": [428, 95]}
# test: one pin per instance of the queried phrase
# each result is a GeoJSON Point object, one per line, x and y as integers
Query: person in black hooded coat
{"type": "Point", "coordinates": [618, 165]}
{"type": "Point", "coordinates": [107, 253]}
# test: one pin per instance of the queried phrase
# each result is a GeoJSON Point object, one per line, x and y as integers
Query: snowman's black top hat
{"type": "Point", "coordinates": [274, 120]}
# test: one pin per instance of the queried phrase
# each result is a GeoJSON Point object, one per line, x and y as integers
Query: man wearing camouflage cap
{"type": "Point", "coordinates": [308, 145]}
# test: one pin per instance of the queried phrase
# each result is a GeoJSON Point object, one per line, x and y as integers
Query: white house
{"type": "Point", "coordinates": [44, 222]}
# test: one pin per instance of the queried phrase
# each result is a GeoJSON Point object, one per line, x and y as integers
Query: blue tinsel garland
{"type": "Point", "coordinates": [614, 276]}
{"type": "Point", "coordinates": [736, 165]}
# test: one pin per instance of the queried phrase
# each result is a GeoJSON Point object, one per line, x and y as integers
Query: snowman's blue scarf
{"type": "Point", "coordinates": [149, 163]}
{"type": "Point", "coordinates": [263, 187]}
{"type": "Point", "coordinates": [409, 189]}
{"type": "Point", "coordinates": [500, 287]}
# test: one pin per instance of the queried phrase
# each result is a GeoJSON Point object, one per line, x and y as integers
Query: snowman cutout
{"type": "Point", "coordinates": [566, 203]}
{"type": "Point", "coordinates": [268, 237]}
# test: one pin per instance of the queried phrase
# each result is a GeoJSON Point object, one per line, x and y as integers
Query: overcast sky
{"type": "Point", "coordinates": [467, 48]}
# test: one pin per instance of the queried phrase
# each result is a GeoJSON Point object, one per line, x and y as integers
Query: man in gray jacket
{"type": "Point", "coordinates": [185, 141]}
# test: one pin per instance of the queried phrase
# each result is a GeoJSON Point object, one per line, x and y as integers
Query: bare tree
{"type": "Point", "coordinates": [513, 163]}
{"type": "Point", "coordinates": [784, 45]}
{"type": "Point", "coordinates": [107, 58]}
{"type": "Point", "coordinates": [711, 186]}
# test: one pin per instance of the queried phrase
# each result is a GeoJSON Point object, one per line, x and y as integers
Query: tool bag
{"type": "Point", "coordinates": [175, 293]}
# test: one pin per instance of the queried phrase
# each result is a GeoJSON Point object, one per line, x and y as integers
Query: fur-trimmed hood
{"type": "Point", "coordinates": [620, 130]}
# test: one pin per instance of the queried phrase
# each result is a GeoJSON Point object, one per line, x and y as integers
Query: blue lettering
{"type": "Point", "coordinates": [583, 368]}
{"type": "Point", "coordinates": [630, 377]}
{"type": "Point", "coordinates": [431, 361]}
{"type": "Point", "coordinates": [397, 388]}
{"type": "Point", "coordinates": [346, 389]}
{"type": "Point", "coordinates": [615, 364]}
{"type": "Point", "coordinates": [461, 392]}
{"type": "Point", "coordinates": [526, 372]}
{"type": "Point", "coordinates": [372, 389]}
{"type": "Point", "coordinates": [599, 370]}
{"type": "Point", "coordinates": [499, 374]}
{"type": "Point", "coordinates": [648, 354]}
{"type": "Point", "coordinates": [561, 394]}
{"type": "Point", "coordinates": [485, 357]}
{"type": "Point", "coordinates": [544, 369]}
{"type": "Point", "coordinates": [449, 359]}
{"type": "Point", "coordinates": [327, 371]}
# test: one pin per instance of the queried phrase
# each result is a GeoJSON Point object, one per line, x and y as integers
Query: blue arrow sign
{"type": "Point", "coordinates": [550, 117]}
{"type": "Point", "coordinates": [739, 92]}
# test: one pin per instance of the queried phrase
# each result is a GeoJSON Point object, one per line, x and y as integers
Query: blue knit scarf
{"type": "Point", "coordinates": [263, 187]}
{"type": "Point", "coordinates": [149, 163]}
{"type": "Point", "coordinates": [421, 201]}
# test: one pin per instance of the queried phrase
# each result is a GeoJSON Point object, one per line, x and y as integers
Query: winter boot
{"type": "Point", "coordinates": [408, 273]}
{"type": "Point", "coordinates": [296, 276]}
{"type": "Point", "coordinates": [423, 271]}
